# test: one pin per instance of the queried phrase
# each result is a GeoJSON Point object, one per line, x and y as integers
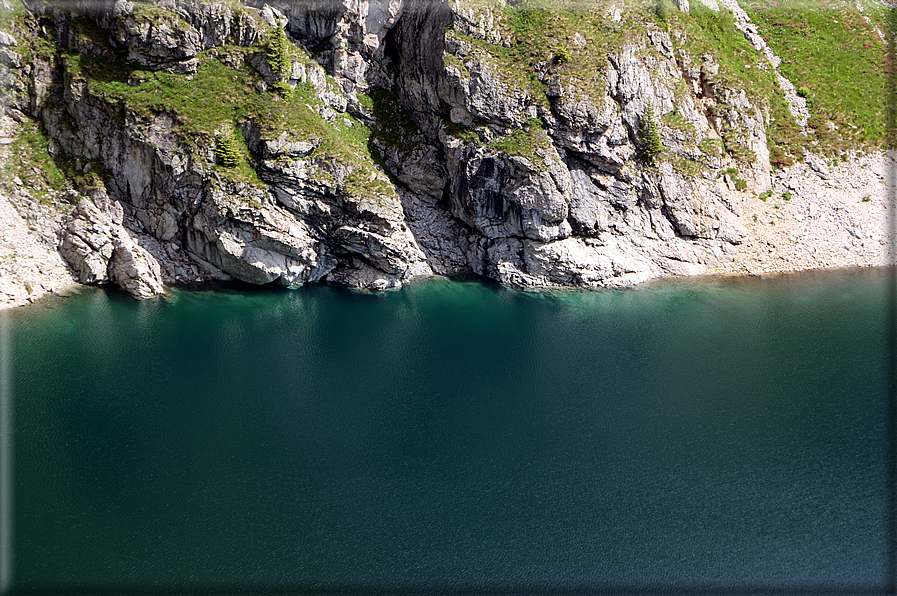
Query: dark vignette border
{"type": "Point", "coordinates": [891, 322]}
{"type": "Point", "coordinates": [889, 587]}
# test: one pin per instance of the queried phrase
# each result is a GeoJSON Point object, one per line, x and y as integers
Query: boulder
{"type": "Point", "coordinates": [102, 251]}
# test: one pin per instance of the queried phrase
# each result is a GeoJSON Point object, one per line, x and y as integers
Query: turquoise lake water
{"type": "Point", "coordinates": [455, 436]}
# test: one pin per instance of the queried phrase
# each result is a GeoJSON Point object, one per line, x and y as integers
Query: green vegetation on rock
{"type": "Point", "coordinates": [32, 164]}
{"type": "Point", "coordinates": [148, 11]}
{"type": "Point", "coordinates": [676, 120]}
{"type": "Point", "coordinates": [219, 96]}
{"type": "Point", "coordinates": [711, 147]}
{"type": "Point", "coordinates": [571, 38]}
{"type": "Point", "coordinates": [280, 59]}
{"type": "Point", "coordinates": [525, 142]}
{"type": "Point", "coordinates": [226, 150]}
{"type": "Point", "coordinates": [459, 131]}
{"type": "Point", "coordinates": [15, 20]}
{"type": "Point", "coordinates": [832, 52]}
{"type": "Point", "coordinates": [202, 102]}
{"type": "Point", "coordinates": [652, 146]}
{"type": "Point", "coordinates": [739, 182]}
{"type": "Point", "coordinates": [740, 67]}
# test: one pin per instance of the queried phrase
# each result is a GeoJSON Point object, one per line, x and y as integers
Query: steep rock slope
{"type": "Point", "coordinates": [370, 142]}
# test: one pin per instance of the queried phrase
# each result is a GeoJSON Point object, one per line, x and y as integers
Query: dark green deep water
{"type": "Point", "coordinates": [721, 434]}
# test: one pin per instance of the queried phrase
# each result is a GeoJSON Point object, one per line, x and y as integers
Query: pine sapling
{"type": "Point", "coordinates": [652, 146]}
{"type": "Point", "coordinates": [227, 151]}
{"type": "Point", "coordinates": [279, 60]}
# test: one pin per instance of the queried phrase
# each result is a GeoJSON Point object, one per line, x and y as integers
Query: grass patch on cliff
{"type": "Point", "coordinates": [833, 54]}
{"type": "Point", "coordinates": [217, 97]}
{"type": "Point", "coordinates": [20, 22]}
{"type": "Point", "coordinates": [459, 131]}
{"type": "Point", "coordinates": [571, 41]}
{"type": "Point", "coordinates": [147, 11]}
{"type": "Point", "coordinates": [13, 17]}
{"type": "Point", "coordinates": [344, 137]}
{"type": "Point", "coordinates": [524, 142]}
{"type": "Point", "coordinates": [575, 37]}
{"type": "Point", "coordinates": [740, 67]}
{"type": "Point", "coordinates": [714, 33]}
{"type": "Point", "coordinates": [568, 39]}
{"type": "Point", "coordinates": [509, 66]}
{"type": "Point", "coordinates": [202, 102]}
{"type": "Point", "coordinates": [31, 40]}
{"type": "Point", "coordinates": [31, 161]}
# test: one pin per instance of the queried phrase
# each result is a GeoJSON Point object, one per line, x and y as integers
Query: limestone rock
{"type": "Point", "coordinates": [589, 207]}
{"type": "Point", "coordinates": [350, 32]}
{"type": "Point", "coordinates": [256, 245]}
{"type": "Point", "coordinates": [133, 268]}
{"type": "Point", "coordinates": [494, 177]}
{"type": "Point", "coordinates": [102, 251]}
{"type": "Point", "coordinates": [168, 35]}
{"type": "Point", "coordinates": [154, 36]}
{"type": "Point", "coordinates": [502, 195]}
{"type": "Point", "coordinates": [819, 166]}
{"type": "Point", "coordinates": [595, 132]}
{"type": "Point", "coordinates": [479, 89]}
{"type": "Point", "coordinates": [86, 243]}
{"type": "Point", "coordinates": [379, 250]}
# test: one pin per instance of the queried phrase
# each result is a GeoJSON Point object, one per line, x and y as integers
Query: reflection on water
{"type": "Point", "coordinates": [691, 434]}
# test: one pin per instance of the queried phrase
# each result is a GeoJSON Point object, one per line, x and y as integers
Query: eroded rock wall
{"type": "Point", "coordinates": [533, 179]}
{"type": "Point", "coordinates": [552, 186]}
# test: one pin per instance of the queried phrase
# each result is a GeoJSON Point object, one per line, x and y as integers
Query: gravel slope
{"type": "Point", "coordinates": [836, 217]}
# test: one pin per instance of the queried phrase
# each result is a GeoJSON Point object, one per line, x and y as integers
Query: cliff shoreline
{"type": "Point", "coordinates": [369, 145]}
{"type": "Point", "coordinates": [835, 229]}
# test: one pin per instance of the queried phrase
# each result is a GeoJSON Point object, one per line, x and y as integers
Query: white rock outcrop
{"type": "Point", "coordinates": [101, 250]}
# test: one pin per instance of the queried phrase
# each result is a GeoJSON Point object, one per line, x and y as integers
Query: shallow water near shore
{"type": "Point", "coordinates": [700, 434]}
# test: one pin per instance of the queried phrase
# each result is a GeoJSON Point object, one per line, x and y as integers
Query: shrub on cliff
{"type": "Point", "coordinates": [652, 146]}
{"type": "Point", "coordinates": [283, 89]}
{"type": "Point", "coordinates": [279, 53]}
{"type": "Point", "coordinates": [562, 56]}
{"type": "Point", "coordinates": [226, 150]}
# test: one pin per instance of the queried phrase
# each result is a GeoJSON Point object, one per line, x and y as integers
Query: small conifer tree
{"type": "Point", "coordinates": [226, 150]}
{"type": "Point", "coordinates": [279, 53]}
{"type": "Point", "coordinates": [279, 60]}
{"type": "Point", "coordinates": [652, 146]}
{"type": "Point", "coordinates": [662, 12]}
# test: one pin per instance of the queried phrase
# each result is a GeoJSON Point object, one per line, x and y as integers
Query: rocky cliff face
{"type": "Point", "coordinates": [370, 142]}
